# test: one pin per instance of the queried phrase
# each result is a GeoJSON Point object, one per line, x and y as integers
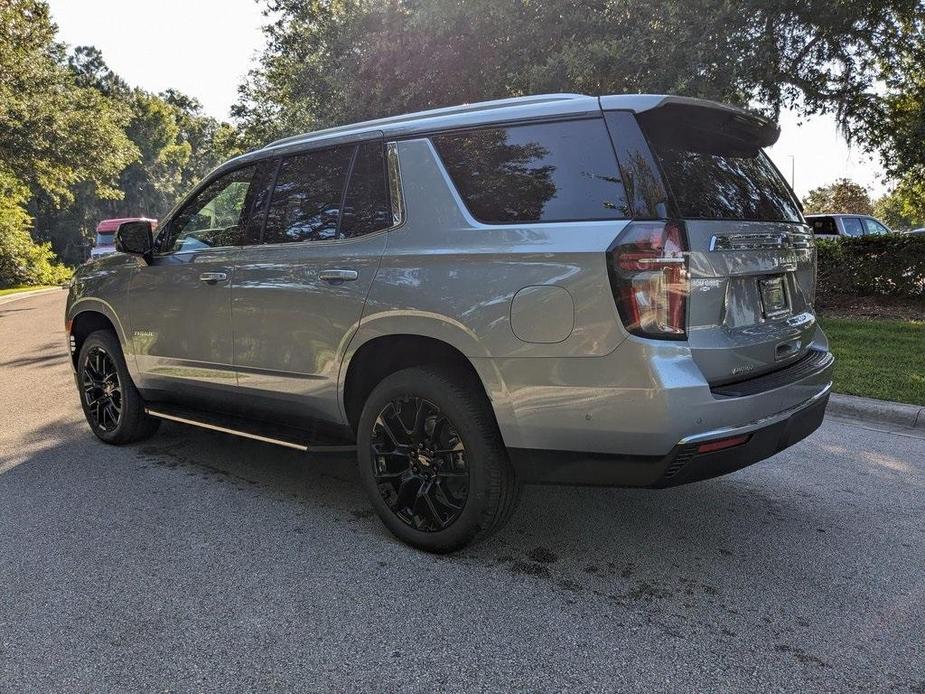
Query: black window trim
{"type": "Point", "coordinates": [537, 120]}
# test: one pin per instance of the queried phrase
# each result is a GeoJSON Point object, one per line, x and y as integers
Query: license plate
{"type": "Point", "coordinates": [773, 296]}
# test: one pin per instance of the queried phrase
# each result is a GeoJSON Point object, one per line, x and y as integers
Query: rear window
{"type": "Point", "coordinates": [545, 172]}
{"type": "Point", "coordinates": [714, 176]}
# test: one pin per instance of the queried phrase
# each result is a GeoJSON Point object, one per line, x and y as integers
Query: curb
{"type": "Point", "coordinates": [878, 411]}
{"type": "Point", "coordinates": [22, 295]}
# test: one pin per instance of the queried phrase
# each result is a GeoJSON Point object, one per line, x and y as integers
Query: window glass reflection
{"type": "Point", "coordinates": [536, 173]}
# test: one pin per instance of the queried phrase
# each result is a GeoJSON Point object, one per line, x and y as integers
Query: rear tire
{"type": "Point", "coordinates": [432, 461]}
{"type": "Point", "coordinates": [111, 403]}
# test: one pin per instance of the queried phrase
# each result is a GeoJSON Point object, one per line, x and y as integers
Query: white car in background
{"type": "Point", "coordinates": [841, 225]}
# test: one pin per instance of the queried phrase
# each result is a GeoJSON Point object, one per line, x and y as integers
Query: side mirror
{"type": "Point", "coordinates": [136, 238]}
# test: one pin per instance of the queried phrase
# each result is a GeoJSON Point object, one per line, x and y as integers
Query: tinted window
{"type": "Point", "coordinates": [213, 218]}
{"type": "Point", "coordinates": [366, 204]}
{"type": "Point", "coordinates": [714, 176]}
{"type": "Point", "coordinates": [536, 173]}
{"type": "Point", "coordinates": [305, 205]}
{"type": "Point", "coordinates": [873, 227]}
{"type": "Point", "coordinates": [645, 191]}
{"type": "Point", "coordinates": [824, 226]}
{"type": "Point", "coordinates": [852, 226]}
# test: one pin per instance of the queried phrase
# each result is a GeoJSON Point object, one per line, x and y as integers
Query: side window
{"type": "Point", "coordinates": [547, 172]}
{"type": "Point", "coordinates": [306, 201]}
{"type": "Point", "coordinates": [366, 204]}
{"type": "Point", "coordinates": [824, 226]}
{"type": "Point", "coordinates": [852, 226]}
{"type": "Point", "coordinates": [215, 217]}
{"type": "Point", "coordinates": [874, 228]}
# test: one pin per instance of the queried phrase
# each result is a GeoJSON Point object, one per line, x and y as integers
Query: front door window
{"type": "Point", "coordinates": [214, 218]}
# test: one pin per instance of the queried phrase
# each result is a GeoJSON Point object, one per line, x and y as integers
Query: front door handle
{"type": "Point", "coordinates": [213, 277]}
{"type": "Point", "coordinates": [339, 275]}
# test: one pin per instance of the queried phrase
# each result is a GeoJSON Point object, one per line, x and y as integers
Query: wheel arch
{"type": "Point", "coordinates": [375, 358]}
{"type": "Point", "coordinates": [88, 317]}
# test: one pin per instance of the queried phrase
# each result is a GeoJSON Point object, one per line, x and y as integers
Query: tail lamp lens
{"type": "Point", "coordinates": [650, 280]}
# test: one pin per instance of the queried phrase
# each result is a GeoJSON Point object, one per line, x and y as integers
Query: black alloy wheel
{"type": "Point", "coordinates": [419, 464]}
{"type": "Point", "coordinates": [102, 389]}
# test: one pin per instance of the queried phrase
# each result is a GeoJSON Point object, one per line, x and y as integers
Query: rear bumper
{"type": "Point", "coordinates": [683, 464]}
{"type": "Point", "coordinates": [640, 400]}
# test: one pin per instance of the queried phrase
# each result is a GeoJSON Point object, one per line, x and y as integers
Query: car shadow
{"type": "Point", "coordinates": [579, 538]}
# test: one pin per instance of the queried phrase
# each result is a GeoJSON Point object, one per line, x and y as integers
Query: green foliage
{"type": "Point", "coordinates": [904, 206]}
{"type": "Point", "coordinates": [23, 262]}
{"type": "Point", "coordinates": [898, 130]}
{"type": "Point", "coordinates": [891, 265]}
{"type": "Point", "coordinates": [54, 133]}
{"type": "Point", "coordinates": [84, 146]}
{"type": "Point", "coordinates": [176, 146]}
{"type": "Point", "coordinates": [843, 196]}
{"type": "Point", "coordinates": [335, 61]}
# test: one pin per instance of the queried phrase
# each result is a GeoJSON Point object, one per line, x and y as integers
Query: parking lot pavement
{"type": "Point", "coordinates": [200, 562]}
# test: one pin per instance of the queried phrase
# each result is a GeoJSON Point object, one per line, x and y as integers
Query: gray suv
{"type": "Point", "coordinates": [566, 289]}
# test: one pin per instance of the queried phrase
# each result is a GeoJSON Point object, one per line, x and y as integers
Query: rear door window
{"type": "Point", "coordinates": [852, 226]}
{"type": "Point", "coordinates": [712, 175]}
{"type": "Point", "coordinates": [366, 203]}
{"type": "Point", "coordinates": [306, 200]}
{"type": "Point", "coordinates": [543, 172]}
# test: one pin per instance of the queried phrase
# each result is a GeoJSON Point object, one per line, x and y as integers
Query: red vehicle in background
{"type": "Point", "coordinates": [106, 234]}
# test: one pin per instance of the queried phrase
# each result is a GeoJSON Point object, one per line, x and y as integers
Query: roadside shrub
{"type": "Point", "coordinates": [22, 261]}
{"type": "Point", "coordinates": [891, 265]}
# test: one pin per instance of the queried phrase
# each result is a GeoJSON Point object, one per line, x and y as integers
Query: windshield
{"type": "Point", "coordinates": [105, 238]}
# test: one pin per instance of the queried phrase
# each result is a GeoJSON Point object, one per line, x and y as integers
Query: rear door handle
{"type": "Point", "coordinates": [213, 277]}
{"type": "Point", "coordinates": [338, 275]}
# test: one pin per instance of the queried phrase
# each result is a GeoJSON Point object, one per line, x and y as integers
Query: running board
{"type": "Point", "coordinates": [281, 436]}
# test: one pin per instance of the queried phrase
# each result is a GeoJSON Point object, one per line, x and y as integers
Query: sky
{"type": "Point", "coordinates": [204, 48]}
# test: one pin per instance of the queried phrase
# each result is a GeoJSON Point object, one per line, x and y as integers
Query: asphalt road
{"type": "Point", "coordinates": [200, 562]}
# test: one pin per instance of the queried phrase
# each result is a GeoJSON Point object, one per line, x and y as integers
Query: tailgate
{"type": "Point", "coordinates": [751, 256]}
{"type": "Point", "coordinates": [751, 295]}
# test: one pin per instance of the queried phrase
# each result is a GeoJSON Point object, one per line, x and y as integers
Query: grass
{"type": "Point", "coordinates": [16, 290]}
{"type": "Point", "coordinates": [883, 359]}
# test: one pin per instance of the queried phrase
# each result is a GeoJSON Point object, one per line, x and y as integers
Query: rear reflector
{"type": "Point", "coordinates": [721, 444]}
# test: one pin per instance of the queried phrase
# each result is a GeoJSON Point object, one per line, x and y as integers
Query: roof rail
{"type": "Point", "coordinates": [432, 113]}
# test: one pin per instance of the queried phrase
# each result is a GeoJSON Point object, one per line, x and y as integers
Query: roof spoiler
{"type": "Point", "coordinates": [712, 115]}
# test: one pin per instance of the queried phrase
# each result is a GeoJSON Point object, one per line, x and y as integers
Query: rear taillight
{"type": "Point", "coordinates": [650, 280]}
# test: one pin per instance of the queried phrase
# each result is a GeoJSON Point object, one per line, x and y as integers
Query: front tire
{"type": "Point", "coordinates": [432, 460]}
{"type": "Point", "coordinates": [111, 403]}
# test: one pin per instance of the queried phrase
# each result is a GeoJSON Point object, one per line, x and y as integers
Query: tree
{"type": "Point", "coordinates": [334, 61]}
{"type": "Point", "coordinates": [904, 206]}
{"type": "Point", "coordinates": [175, 143]}
{"type": "Point", "coordinates": [55, 134]}
{"type": "Point", "coordinates": [22, 261]}
{"type": "Point", "coordinates": [843, 196]}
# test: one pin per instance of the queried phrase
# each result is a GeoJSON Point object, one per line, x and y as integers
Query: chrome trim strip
{"type": "Point", "coordinates": [395, 189]}
{"type": "Point", "coordinates": [225, 430]}
{"type": "Point", "coordinates": [758, 423]}
{"type": "Point", "coordinates": [758, 242]}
